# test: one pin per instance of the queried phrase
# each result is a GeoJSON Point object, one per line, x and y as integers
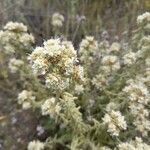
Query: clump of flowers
{"type": "Point", "coordinates": [57, 62]}
{"type": "Point", "coordinates": [110, 63]}
{"type": "Point", "coordinates": [100, 81]}
{"type": "Point", "coordinates": [36, 145]}
{"type": "Point", "coordinates": [79, 89]}
{"type": "Point", "coordinates": [115, 122]}
{"type": "Point", "coordinates": [134, 145]}
{"type": "Point", "coordinates": [137, 89]}
{"type": "Point", "coordinates": [26, 99]}
{"type": "Point", "coordinates": [15, 64]}
{"type": "Point", "coordinates": [143, 18]}
{"type": "Point", "coordinates": [129, 58]}
{"type": "Point", "coordinates": [57, 20]}
{"type": "Point", "coordinates": [115, 47]}
{"type": "Point", "coordinates": [15, 26]}
{"type": "Point", "coordinates": [50, 107]}
{"type": "Point", "coordinates": [15, 44]}
{"type": "Point", "coordinates": [87, 48]}
{"type": "Point", "coordinates": [137, 92]}
{"type": "Point", "coordinates": [138, 96]}
{"type": "Point", "coordinates": [14, 37]}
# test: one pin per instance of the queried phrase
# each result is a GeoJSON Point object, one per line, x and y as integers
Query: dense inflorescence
{"type": "Point", "coordinates": [57, 20]}
{"type": "Point", "coordinates": [15, 37]}
{"type": "Point", "coordinates": [57, 62]}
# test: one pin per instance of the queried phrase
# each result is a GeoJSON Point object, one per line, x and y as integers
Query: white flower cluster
{"type": "Point", "coordinates": [111, 106]}
{"type": "Point", "coordinates": [136, 144]}
{"type": "Point", "coordinates": [87, 48]}
{"type": "Point", "coordinates": [139, 97]}
{"type": "Point", "coordinates": [100, 56]}
{"type": "Point", "coordinates": [110, 63]}
{"type": "Point", "coordinates": [137, 92]}
{"type": "Point", "coordinates": [35, 145]}
{"type": "Point", "coordinates": [15, 37]}
{"type": "Point", "coordinates": [115, 122]}
{"type": "Point", "coordinates": [115, 47]}
{"type": "Point", "coordinates": [15, 64]}
{"type": "Point", "coordinates": [57, 20]}
{"type": "Point", "coordinates": [57, 60]}
{"type": "Point", "coordinates": [26, 99]}
{"type": "Point", "coordinates": [15, 26]}
{"type": "Point", "coordinates": [106, 48]}
{"type": "Point", "coordinates": [104, 148]}
{"type": "Point", "coordinates": [129, 58]}
{"type": "Point", "coordinates": [143, 17]}
{"type": "Point", "coordinates": [88, 44]}
{"type": "Point", "coordinates": [79, 89]}
{"type": "Point", "coordinates": [100, 81]}
{"type": "Point", "coordinates": [55, 81]}
{"type": "Point", "coordinates": [50, 107]}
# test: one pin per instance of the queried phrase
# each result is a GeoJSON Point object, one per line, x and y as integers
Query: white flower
{"type": "Point", "coordinates": [26, 39]}
{"type": "Point", "coordinates": [67, 65]}
{"type": "Point", "coordinates": [55, 82]}
{"type": "Point", "coordinates": [115, 47]}
{"type": "Point", "coordinates": [99, 81]}
{"type": "Point", "coordinates": [141, 18]}
{"type": "Point", "coordinates": [40, 66]}
{"type": "Point", "coordinates": [88, 45]}
{"type": "Point", "coordinates": [136, 144]}
{"type": "Point", "coordinates": [15, 64]}
{"type": "Point", "coordinates": [79, 73]}
{"type": "Point", "coordinates": [111, 106]}
{"type": "Point", "coordinates": [57, 20]}
{"type": "Point", "coordinates": [35, 145]}
{"type": "Point", "coordinates": [53, 47]}
{"type": "Point", "coordinates": [37, 53]}
{"type": "Point", "coordinates": [129, 58]}
{"type": "Point", "coordinates": [137, 92]}
{"type": "Point", "coordinates": [69, 49]}
{"type": "Point", "coordinates": [50, 107]}
{"type": "Point", "coordinates": [138, 95]}
{"type": "Point", "coordinates": [138, 109]}
{"type": "Point", "coordinates": [25, 98]}
{"type": "Point", "coordinates": [104, 148]}
{"type": "Point", "coordinates": [142, 125]}
{"type": "Point", "coordinates": [139, 144]}
{"type": "Point", "coordinates": [109, 60]}
{"type": "Point", "coordinates": [6, 36]}
{"type": "Point", "coordinates": [110, 63]}
{"type": "Point", "coordinates": [15, 38]}
{"type": "Point", "coordinates": [26, 105]}
{"type": "Point", "coordinates": [126, 146]}
{"type": "Point", "coordinates": [57, 62]}
{"type": "Point", "coordinates": [79, 89]}
{"type": "Point", "coordinates": [115, 122]}
{"type": "Point", "coordinates": [15, 26]}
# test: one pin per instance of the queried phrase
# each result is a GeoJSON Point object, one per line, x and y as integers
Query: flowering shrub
{"type": "Point", "coordinates": [97, 99]}
{"type": "Point", "coordinates": [15, 43]}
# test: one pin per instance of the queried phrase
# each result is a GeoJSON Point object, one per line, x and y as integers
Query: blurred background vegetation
{"type": "Point", "coordinates": [115, 16]}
